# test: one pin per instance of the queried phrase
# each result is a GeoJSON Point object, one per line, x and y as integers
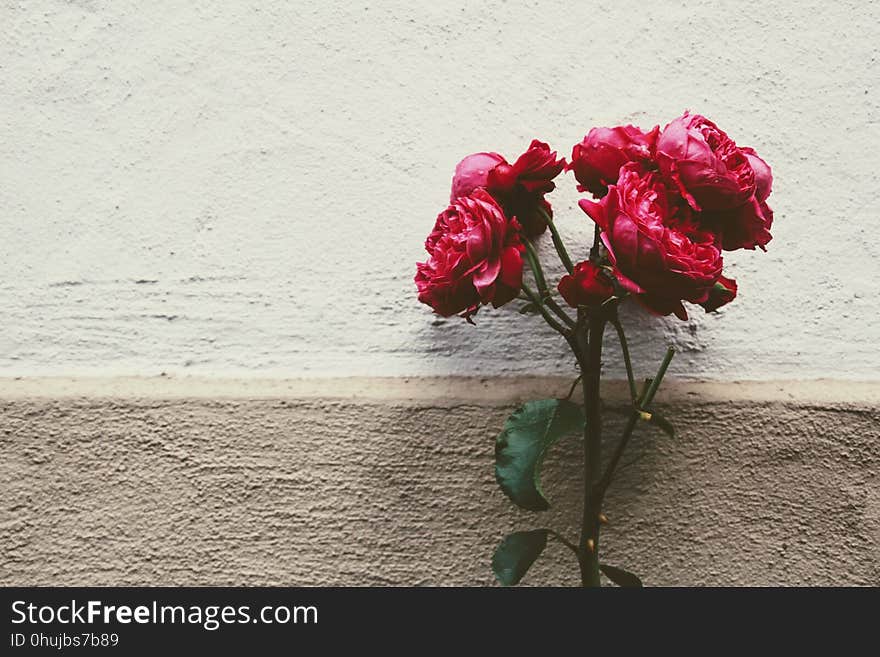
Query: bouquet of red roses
{"type": "Point", "coordinates": [668, 202]}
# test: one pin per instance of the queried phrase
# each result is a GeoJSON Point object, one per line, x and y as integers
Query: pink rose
{"type": "Point", "coordinates": [518, 187]}
{"type": "Point", "coordinates": [474, 257]}
{"type": "Point", "coordinates": [708, 168]}
{"type": "Point", "coordinates": [596, 161]}
{"type": "Point", "coordinates": [657, 250]}
{"type": "Point", "coordinates": [473, 172]}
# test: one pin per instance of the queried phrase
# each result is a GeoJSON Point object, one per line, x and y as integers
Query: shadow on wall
{"type": "Point", "coordinates": [451, 346]}
{"type": "Point", "coordinates": [745, 494]}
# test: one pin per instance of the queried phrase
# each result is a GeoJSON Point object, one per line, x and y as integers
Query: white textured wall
{"type": "Point", "coordinates": [243, 187]}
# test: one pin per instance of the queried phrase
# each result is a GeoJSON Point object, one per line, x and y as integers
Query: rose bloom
{"type": "Point", "coordinates": [659, 253]}
{"type": "Point", "coordinates": [587, 285]}
{"type": "Point", "coordinates": [744, 227]}
{"type": "Point", "coordinates": [710, 171]}
{"type": "Point", "coordinates": [474, 257]}
{"type": "Point", "coordinates": [748, 225]}
{"type": "Point", "coordinates": [518, 187]}
{"type": "Point", "coordinates": [596, 161]}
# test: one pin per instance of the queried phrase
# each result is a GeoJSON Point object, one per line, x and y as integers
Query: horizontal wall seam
{"type": "Point", "coordinates": [440, 390]}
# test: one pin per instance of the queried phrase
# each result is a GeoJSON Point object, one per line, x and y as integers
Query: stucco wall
{"type": "Point", "coordinates": [242, 188]}
{"type": "Point", "coordinates": [390, 482]}
{"type": "Point", "coordinates": [238, 192]}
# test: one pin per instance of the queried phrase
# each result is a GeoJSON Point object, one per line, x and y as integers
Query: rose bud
{"type": "Point", "coordinates": [474, 257]}
{"type": "Point", "coordinates": [723, 292]}
{"type": "Point", "coordinates": [596, 161]}
{"type": "Point", "coordinates": [711, 172]}
{"type": "Point", "coordinates": [587, 285]}
{"type": "Point", "coordinates": [518, 187]}
{"type": "Point", "coordinates": [656, 252]}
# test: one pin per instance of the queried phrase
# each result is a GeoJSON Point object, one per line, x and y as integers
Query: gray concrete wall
{"type": "Point", "coordinates": [389, 482]}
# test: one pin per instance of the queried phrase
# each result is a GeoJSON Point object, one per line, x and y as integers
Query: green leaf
{"type": "Point", "coordinates": [620, 576]}
{"type": "Point", "coordinates": [520, 448]}
{"type": "Point", "coordinates": [516, 554]}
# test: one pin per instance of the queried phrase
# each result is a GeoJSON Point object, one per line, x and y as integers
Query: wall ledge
{"type": "Point", "coordinates": [475, 390]}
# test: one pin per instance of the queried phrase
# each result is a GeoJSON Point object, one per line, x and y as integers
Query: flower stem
{"type": "Point", "coordinates": [597, 240]}
{"type": "Point", "coordinates": [571, 546]}
{"type": "Point", "coordinates": [557, 241]}
{"type": "Point", "coordinates": [590, 356]}
{"type": "Point", "coordinates": [535, 265]}
{"type": "Point", "coordinates": [645, 399]}
{"type": "Point", "coordinates": [573, 386]}
{"type": "Point", "coordinates": [538, 303]}
{"type": "Point", "coordinates": [624, 347]}
{"type": "Point", "coordinates": [541, 281]}
{"type": "Point", "coordinates": [661, 372]}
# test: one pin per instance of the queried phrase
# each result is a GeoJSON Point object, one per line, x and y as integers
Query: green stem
{"type": "Point", "coordinates": [573, 386]}
{"type": "Point", "coordinates": [541, 282]}
{"type": "Point", "coordinates": [633, 394]}
{"type": "Point", "coordinates": [655, 384]}
{"type": "Point", "coordinates": [594, 251]}
{"type": "Point", "coordinates": [559, 537]}
{"type": "Point", "coordinates": [536, 300]}
{"type": "Point", "coordinates": [557, 241]}
{"type": "Point", "coordinates": [590, 356]}
{"type": "Point", "coordinates": [552, 305]}
{"type": "Point", "coordinates": [535, 265]}
{"type": "Point", "coordinates": [644, 401]}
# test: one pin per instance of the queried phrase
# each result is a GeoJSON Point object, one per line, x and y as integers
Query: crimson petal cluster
{"type": "Point", "coordinates": [678, 198]}
{"type": "Point", "coordinates": [519, 187]}
{"type": "Point", "coordinates": [475, 249]}
{"type": "Point", "coordinates": [474, 257]}
{"type": "Point", "coordinates": [668, 203]}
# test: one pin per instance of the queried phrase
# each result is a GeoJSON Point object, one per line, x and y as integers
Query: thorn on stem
{"type": "Point", "coordinates": [603, 518]}
{"type": "Point", "coordinates": [591, 544]}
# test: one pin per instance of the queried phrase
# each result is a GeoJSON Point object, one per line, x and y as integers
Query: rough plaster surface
{"type": "Point", "coordinates": [373, 482]}
{"type": "Point", "coordinates": [241, 189]}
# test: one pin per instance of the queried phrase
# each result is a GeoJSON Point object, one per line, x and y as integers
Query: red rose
{"type": "Point", "coordinates": [723, 292]}
{"type": "Point", "coordinates": [763, 175]}
{"type": "Point", "coordinates": [587, 285]}
{"type": "Point", "coordinates": [596, 161]}
{"type": "Point", "coordinates": [518, 187]}
{"type": "Point", "coordinates": [474, 257]}
{"type": "Point", "coordinates": [711, 172]}
{"type": "Point", "coordinates": [658, 253]}
{"type": "Point", "coordinates": [744, 227]}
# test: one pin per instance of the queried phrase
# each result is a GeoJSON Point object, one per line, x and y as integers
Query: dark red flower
{"type": "Point", "coordinates": [743, 227]}
{"type": "Point", "coordinates": [763, 175]}
{"type": "Point", "coordinates": [474, 257]}
{"type": "Point", "coordinates": [658, 253]}
{"type": "Point", "coordinates": [596, 161]}
{"type": "Point", "coordinates": [587, 285]}
{"type": "Point", "coordinates": [518, 187]}
{"type": "Point", "coordinates": [708, 168]}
